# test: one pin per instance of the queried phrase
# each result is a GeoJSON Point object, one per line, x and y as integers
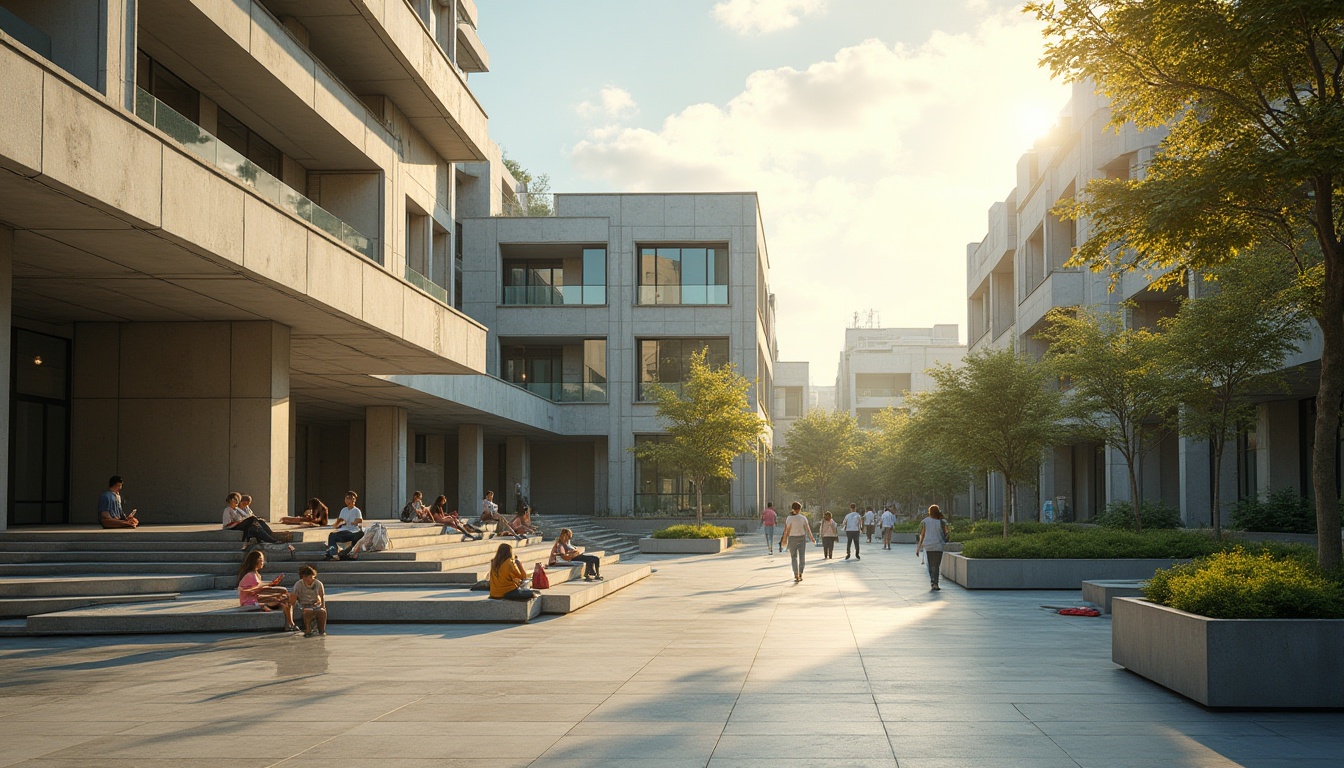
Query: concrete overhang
{"type": "Point", "coordinates": [471, 54]}
{"type": "Point", "coordinates": [116, 223]}
{"type": "Point", "coordinates": [239, 56]}
{"type": "Point", "coordinates": [381, 47]}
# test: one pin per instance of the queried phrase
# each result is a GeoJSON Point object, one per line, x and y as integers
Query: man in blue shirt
{"type": "Point", "coordinates": [110, 512]}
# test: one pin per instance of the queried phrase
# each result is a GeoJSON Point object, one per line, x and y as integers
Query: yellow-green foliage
{"type": "Point", "coordinates": [705, 531]}
{"type": "Point", "coordinates": [1241, 585]}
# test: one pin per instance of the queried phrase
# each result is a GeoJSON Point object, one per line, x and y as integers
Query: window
{"type": "Point", "coordinates": [683, 274]}
{"type": "Point", "coordinates": [668, 361]}
{"type": "Point", "coordinates": [155, 79]}
{"type": "Point", "coordinates": [664, 489]}
{"type": "Point", "coordinates": [793, 402]}
{"type": "Point", "coordinates": [572, 372]}
{"type": "Point", "coordinates": [246, 142]}
{"type": "Point", "coordinates": [457, 267]}
{"type": "Point", "coordinates": [578, 278]}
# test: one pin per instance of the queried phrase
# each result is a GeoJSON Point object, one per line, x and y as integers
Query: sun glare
{"type": "Point", "coordinates": [1033, 122]}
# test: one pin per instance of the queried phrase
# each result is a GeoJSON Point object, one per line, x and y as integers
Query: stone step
{"type": "Point", "coordinates": [67, 585]}
{"type": "Point", "coordinates": [32, 606]}
{"type": "Point", "coordinates": [219, 612]}
{"type": "Point", "coordinates": [568, 597]}
{"type": "Point", "coordinates": [13, 627]}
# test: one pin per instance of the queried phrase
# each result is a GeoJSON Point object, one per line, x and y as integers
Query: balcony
{"type": "Point", "coordinates": [199, 142]}
{"type": "Point", "coordinates": [565, 391]}
{"type": "Point", "coordinates": [428, 286]}
{"type": "Point", "coordinates": [554, 295]}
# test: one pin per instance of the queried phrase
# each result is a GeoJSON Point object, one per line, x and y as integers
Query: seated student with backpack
{"type": "Point", "coordinates": [415, 510]}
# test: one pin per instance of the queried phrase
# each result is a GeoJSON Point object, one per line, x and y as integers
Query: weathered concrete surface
{"type": "Point", "coordinates": [1260, 663]}
{"type": "Point", "coordinates": [652, 546]}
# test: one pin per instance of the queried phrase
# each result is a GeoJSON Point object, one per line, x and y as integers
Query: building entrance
{"type": "Point", "coordinates": [39, 430]}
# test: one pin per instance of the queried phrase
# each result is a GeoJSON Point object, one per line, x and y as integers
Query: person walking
{"type": "Point", "coordinates": [797, 532]}
{"type": "Point", "coordinates": [932, 540]}
{"type": "Point", "coordinates": [768, 518]}
{"type": "Point", "coordinates": [829, 535]}
{"type": "Point", "coordinates": [888, 522]}
{"type": "Point", "coordinates": [853, 527]}
{"type": "Point", "coordinates": [869, 523]}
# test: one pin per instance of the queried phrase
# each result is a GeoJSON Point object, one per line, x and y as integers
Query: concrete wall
{"type": "Point", "coordinates": [562, 478]}
{"type": "Point", "coordinates": [186, 412]}
{"type": "Point", "coordinates": [6, 358]}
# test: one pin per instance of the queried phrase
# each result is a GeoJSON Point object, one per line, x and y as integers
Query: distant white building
{"type": "Point", "coordinates": [879, 367]}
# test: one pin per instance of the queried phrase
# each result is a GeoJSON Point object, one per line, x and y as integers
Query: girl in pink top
{"type": "Point", "coordinates": [255, 594]}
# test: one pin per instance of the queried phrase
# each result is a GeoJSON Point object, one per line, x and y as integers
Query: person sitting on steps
{"type": "Point", "coordinates": [315, 516]}
{"type": "Point", "coordinates": [348, 527]}
{"type": "Point", "coordinates": [450, 520]}
{"type": "Point", "coordinates": [110, 512]}
{"type": "Point", "coordinates": [238, 516]}
{"type": "Point", "coordinates": [256, 595]}
{"type": "Point", "coordinates": [562, 550]}
{"type": "Point", "coordinates": [507, 577]}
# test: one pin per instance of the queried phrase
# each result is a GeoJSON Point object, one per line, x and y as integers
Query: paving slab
{"type": "Point", "coordinates": [718, 661]}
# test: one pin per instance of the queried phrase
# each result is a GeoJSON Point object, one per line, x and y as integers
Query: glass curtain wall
{"type": "Point", "coordinates": [668, 361]}
{"type": "Point", "coordinates": [39, 436]}
{"type": "Point", "coordinates": [683, 275]}
{"type": "Point", "coordinates": [580, 280]}
{"type": "Point", "coordinates": [574, 372]}
{"type": "Point", "coordinates": [664, 490]}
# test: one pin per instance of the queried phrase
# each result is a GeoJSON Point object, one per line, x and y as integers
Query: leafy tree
{"type": "Point", "coordinates": [1119, 393]}
{"type": "Point", "coordinates": [995, 412]}
{"type": "Point", "coordinates": [536, 190]}
{"type": "Point", "coordinates": [1252, 95]}
{"type": "Point", "coordinates": [821, 447]}
{"type": "Point", "coordinates": [710, 423]}
{"type": "Point", "coordinates": [1226, 345]}
{"type": "Point", "coordinates": [913, 470]}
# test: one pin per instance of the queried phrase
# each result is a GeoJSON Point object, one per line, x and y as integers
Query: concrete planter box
{"type": "Point", "coordinates": [1008, 573]}
{"type": "Point", "coordinates": [1261, 663]}
{"type": "Point", "coordinates": [652, 546]}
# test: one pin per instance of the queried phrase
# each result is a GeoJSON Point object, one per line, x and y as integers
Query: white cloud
{"type": "Point", "coordinates": [874, 170]}
{"type": "Point", "coordinates": [759, 17]}
{"type": "Point", "coordinates": [613, 103]}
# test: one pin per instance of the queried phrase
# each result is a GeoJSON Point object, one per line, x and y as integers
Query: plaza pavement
{"type": "Point", "coordinates": [717, 661]}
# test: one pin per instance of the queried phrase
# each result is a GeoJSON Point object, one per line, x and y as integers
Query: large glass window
{"type": "Point", "coordinates": [578, 279]}
{"type": "Point", "coordinates": [668, 361]}
{"type": "Point", "coordinates": [664, 490]}
{"type": "Point", "coordinates": [39, 431]}
{"type": "Point", "coordinates": [574, 372]}
{"type": "Point", "coordinates": [683, 274]}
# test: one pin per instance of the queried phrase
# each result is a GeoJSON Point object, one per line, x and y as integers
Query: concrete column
{"type": "Point", "coordinates": [518, 470]}
{"type": "Point", "coordinates": [1196, 496]}
{"type": "Point", "coordinates": [470, 469]}
{"type": "Point", "coordinates": [602, 499]}
{"type": "Point", "coordinates": [186, 412]}
{"type": "Point", "coordinates": [6, 356]}
{"type": "Point", "coordinates": [356, 479]}
{"type": "Point", "coordinates": [1278, 448]}
{"type": "Point", "coordinates": [385, 437]}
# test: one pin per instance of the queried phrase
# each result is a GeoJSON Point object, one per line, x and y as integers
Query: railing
{"type": "Point", "coordinates": [428, 286]}
{"type": "Point", "coordinates": [207, 147]}
{"type": "Point", "coordinates": [881, 392]}
{"type": "Point", "coordinates": [567, 392]}
{"type": "Point", "coordinates": [695, 295]}
{"type": "Point", "coordinates": [554, 295]}
{"type": "Point", "coordinates": [529, 204]}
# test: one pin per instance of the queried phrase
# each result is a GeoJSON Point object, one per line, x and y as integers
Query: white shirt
{"type": "Point", "coordinates": [869, 518]}
{"type": "Point", "coordinates": [853, 522]}
{"type": "Point", "coordinates": [235, 514]}
{"type": "Point", "coordinates": [888, 519]}
{"type": "Point", "coordinates": [346, 519]}
{"type": "Point", "coordinates": [489, 508]}
{"type": "Point", "coordinates": [795, 525]}
{"type": "Point", "coordinates": [933, 534]}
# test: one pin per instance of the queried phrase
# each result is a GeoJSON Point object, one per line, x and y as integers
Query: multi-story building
{"type": "Point", "coordinates": [1017, 274]}
{"type": "Point", "coordinates": [233, 257]}
{"type": "Point", "coordinates": [794, 397]}
{"type": "Point", "coordinates": [880, 367]}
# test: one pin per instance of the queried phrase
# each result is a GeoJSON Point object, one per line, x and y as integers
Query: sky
{"type": "Point", "coordinates": [876, 133]}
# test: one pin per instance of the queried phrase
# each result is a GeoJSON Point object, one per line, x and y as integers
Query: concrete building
{"type": "Point", "coordinates": [233, 256]}
{"type": "Point", "coordinates": [1016, 275]}
{"type": "Point", "coordinates": [879, 367]}
{"type": "Point", "coordinates": [794, 398]}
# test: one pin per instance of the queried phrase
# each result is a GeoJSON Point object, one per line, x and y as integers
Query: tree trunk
{"type": "Point", "coordinates": [1326, 441]}
{"type": "Point", "coordinates": [1216, 493]}
{"type": "Point", "coordinates": [699, 506]}
{"type": "Point", "coordinates": [1010, 507]}
{"type": "Point", "coordinates": [1134, 492]}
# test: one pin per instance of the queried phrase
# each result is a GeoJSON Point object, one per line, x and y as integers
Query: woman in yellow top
{"type": "Point", "coordinates": [507, 576]}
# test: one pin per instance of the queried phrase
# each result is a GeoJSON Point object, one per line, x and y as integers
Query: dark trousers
{"type": "Point", "coordinates": [339, 536]}
{"type": "Point", "coordinates": [935, 561]}
{"type": "Point", "coordinates": [256, 528]}
{"type": "Point", "coordinates": [520, 594]}
{"type": "Point", "coordinates": [591, 564]}
{"type": "Point", "coordinates": [828, 546]}
{"type": "Point", "coordinates": [852, 540]}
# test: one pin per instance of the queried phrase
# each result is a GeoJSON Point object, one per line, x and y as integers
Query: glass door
{"type": "Point", "coordinates": [39, 432]}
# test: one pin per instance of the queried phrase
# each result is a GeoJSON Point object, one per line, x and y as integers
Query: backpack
{"type": "Point", "coordinates": [377, 538]}
{"type": "Point", "coordinates": [407, 513]}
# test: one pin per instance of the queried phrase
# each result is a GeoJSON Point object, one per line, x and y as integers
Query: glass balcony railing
{"type": "Point", "coordinates": [207, 147]}
{"type": "Point", "coordinates": [684, 295]}
{"type": "Point", "coordinates": [428, 286]}
{"type": "Point", "coordinates": [555, 295]}
{"type": "Point", "coordinates": [567, 392]}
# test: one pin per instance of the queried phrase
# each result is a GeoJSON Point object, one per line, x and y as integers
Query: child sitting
{"type": "Point", "coordinates": [311, 597]}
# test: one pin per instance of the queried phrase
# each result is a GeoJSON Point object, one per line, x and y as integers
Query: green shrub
{"type": "Point", "coordinates": [1239, 584]}
{"type": "Point", "coordinates": [1283, 511]}
{"type": "Point", "coordinates": [704, 531]}
{"type": "Point", "coordinates": [989, 529]}
{"type": "Point", "coordinates": [1106, 543]}
{"type": "Point", "coordinates": [1154, 515]}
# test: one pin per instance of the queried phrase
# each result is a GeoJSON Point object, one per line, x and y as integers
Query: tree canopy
{"type": "Point", "coordinates": [1251, 94]}
{"type": "Point", "coordinates": [819, 449]}
{"type": "Point", "coordinates": [709, 423]}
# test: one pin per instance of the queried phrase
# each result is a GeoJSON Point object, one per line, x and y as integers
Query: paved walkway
{"type": "Point", "coordinates": [713, 661]}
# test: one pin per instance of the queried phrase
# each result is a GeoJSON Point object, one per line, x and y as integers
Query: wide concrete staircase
{"type": "Point", "coordinates": [166, 579]}
{"type": "Point", "coordinates": [589, 533]}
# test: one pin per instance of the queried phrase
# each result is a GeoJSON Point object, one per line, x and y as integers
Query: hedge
{"type": "Point", "coordinates": [1105, 543]}
{"type": "Point", "coordinates": [1238, 584]}
{"type": "Point", "coordinates": [704, 531]}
